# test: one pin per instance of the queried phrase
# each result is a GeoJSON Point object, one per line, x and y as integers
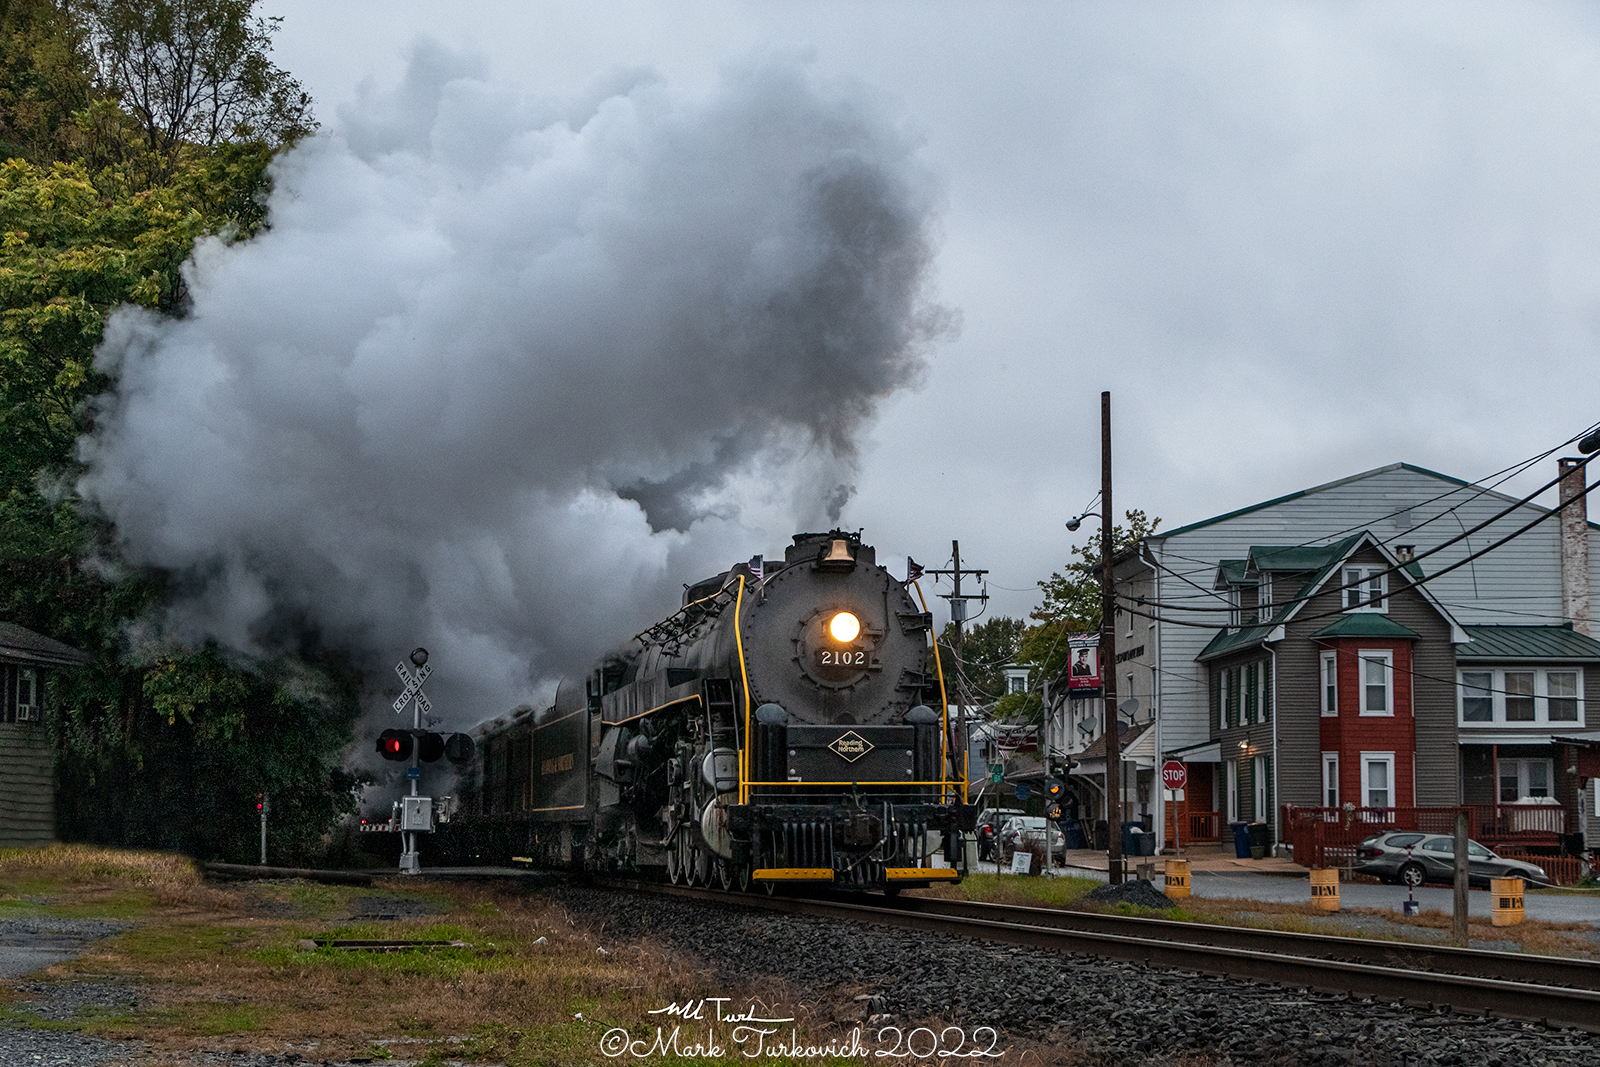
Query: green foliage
{"type": "Point", "coordinates": [1071, 605]}
{"type": "Point", "coordinates": [167, 749]}
{"type": "Point", "coordinates": [986, 648]}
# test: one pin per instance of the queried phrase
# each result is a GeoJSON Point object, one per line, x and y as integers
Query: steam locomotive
{"type": "Point", "coordinates": [777, 728]}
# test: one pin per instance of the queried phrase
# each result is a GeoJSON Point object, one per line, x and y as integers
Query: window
{"type": "Point", "coordinates": [1252, 682]}
{"type": "Point", "coordinates": [1477, 696]}
{"type": "Point", "coordinates": [1520, 696]}
{"type": "Point", "coordinates": [1264, 598]}
{"type": "Point", "coordinates": [1217, 711]}
{"type": "Point", "coordinates": [1377, 779]}
{"type": "Point", "coordinates": [1258, 780]}
{"type": "Point", "coordinates": [1377, 683]}
{"type": "Point", "coordinates": [1266, 690]}
{"type": "Point", "coordinates": [1330, 684]}
{"type": "Point", "coordinates": [1561, 689]}
{"type": "Point", "coordinates": [28, 694]}
{"type": "Point", "coordinates": [1231, 773]}
{"type": "Point", "coordinates": [1365, 588]}
{"type": "Point", "coordinates": [1525, 778]}
{"type": "Point", "coordinates": [1330, 779]}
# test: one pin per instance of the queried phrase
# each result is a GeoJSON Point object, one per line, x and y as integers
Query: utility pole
{"type": "Point", "coordinates": [958, 615]}
{"type": "Point", "coordinates": [1108, 656]}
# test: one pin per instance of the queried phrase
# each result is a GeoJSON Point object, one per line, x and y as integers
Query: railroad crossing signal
{"type": "Point", "coordinates": [413, 687]}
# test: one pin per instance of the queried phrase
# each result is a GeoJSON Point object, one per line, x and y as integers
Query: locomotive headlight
{"type": "Point", "coordinates": [844, 627]}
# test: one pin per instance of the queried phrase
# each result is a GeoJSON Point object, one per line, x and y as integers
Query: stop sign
{"type": "Point", "coordinates": [1174, 775]}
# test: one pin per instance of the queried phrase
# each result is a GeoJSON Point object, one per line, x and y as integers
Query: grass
{"type": "Point", "coordinates": [220, 969]}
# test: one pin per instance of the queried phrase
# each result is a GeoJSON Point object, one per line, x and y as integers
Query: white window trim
{"type": "Point", "coordinates": [1328, 659]}
{"type": "Point", "coordinates": [1497, 697]}
{"type": "Point", "coordinates": [1264, 598]}
{"type": "Point", "coordinates": [1367, 575]}
{"type": "Point", "coordinates": [1522, 765]}
{"type": "Point", "coordinates": [1362, 656]}
{"type": "Point", "coordinates": [1231, 774]}
{"type": "Point", "coordinates": [1330, 779]}
{"type": "Point", "coordinates": [1258, 787]}
{"type": "Point", "coordinates": [29, 712]}
{"type": "Point", "coordinates": [1247, 713]}
{"type": "Point", "coordinates": [1386, 758]}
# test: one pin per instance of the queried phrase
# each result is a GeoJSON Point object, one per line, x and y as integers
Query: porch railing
{"type": "Point", "coordinates": [1328, 836]}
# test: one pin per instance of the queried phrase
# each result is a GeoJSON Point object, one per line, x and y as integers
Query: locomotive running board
{"type": "Point", "coordinates": [793, 874]}
{"type": "Point", "coordinates": [919, 873]}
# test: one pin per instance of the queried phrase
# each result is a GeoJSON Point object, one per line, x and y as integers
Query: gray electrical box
{"type": "Point", "coordinates": [416, 813]}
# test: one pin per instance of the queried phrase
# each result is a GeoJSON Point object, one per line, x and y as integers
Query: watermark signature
{"type": "Point", "coordinates": [710, 1029]}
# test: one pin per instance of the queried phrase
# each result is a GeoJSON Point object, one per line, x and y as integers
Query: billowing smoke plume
{"type": "Point", "coordinates": [486, 383]}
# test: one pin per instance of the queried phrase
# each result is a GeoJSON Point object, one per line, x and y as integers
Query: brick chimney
{"type": "Point", "coordinates": [1574, 546]}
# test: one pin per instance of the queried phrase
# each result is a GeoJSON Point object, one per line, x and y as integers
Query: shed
{"type": "Point", "coordinates": [27, 771]}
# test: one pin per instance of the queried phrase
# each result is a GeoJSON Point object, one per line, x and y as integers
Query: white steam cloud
{"type": "Point", "coordinates": [490, 381]}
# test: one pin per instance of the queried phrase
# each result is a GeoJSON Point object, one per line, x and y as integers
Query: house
{"type": "Point", "coordinates": [1238, 690]}
{"type": "Point", "coordinates": [27, 765]}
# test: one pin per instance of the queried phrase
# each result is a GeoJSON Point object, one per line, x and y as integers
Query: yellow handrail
{"type": "Point", "coordinates": [944, 701]}
{"type": "Point", "coordinates": [744, 676]}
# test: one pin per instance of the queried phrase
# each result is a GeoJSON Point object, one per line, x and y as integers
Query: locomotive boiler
{"type": "Point", "coordinates": [786, 724]}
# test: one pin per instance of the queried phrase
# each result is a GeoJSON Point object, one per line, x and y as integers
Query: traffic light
{"type": "Point", "coordinates": [430, 746]}
{"type": "Point", "coordinates": [1053, 789]}
{"type": "Point", "coordinates": [458, 748]}
{"type": "Point", "coordinates": [395, 744]}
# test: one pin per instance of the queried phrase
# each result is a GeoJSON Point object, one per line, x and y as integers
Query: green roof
{"type": "Point", "coordinates": [1290, 557]}
{"type": "Point", "coordinates": [1233, 570]}
{"type": "Point", "coordinates": [1231, 640]}
{"type": "Point", "coordinates": [1367, 624]}
{"type": "Point", "coordinates": [1527, 643]}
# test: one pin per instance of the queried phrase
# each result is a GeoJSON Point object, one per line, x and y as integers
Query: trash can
{"type": "Point", "coordinates": [1241, 839]}
{"type": "Point", "coordinates": [1260, 840]}
{"type": "Point", "coordinates": [1102, 835]}
{"type": "Point", "coordinates": [1073, 831]}
{"type": "Point", "coordinates": [1131, 832]}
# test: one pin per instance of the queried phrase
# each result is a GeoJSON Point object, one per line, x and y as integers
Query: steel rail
{"type": "Point", "coordinates": [1537, 1002]}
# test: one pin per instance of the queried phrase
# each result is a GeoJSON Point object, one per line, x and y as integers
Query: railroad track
{"type": "Point", "coordinates": [1547, 989]}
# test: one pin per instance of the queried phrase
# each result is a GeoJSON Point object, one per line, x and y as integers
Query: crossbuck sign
{"type": "Point", "coordinates": [413, 687]}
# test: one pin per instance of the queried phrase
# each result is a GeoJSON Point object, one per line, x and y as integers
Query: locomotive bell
{"type": "Point", "coordinates": [838, 556]}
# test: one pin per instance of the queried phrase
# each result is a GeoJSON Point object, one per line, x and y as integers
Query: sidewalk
{"type": "Point", "coordinates": [1202, 858]}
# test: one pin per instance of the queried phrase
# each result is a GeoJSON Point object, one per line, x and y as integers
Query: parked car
{"type": "Point", "coordinates": [998, 817]}
{"type": "Point", "coordinates": [1410, 858]}
{"type": "Point", "coordinates": [1025, 831]}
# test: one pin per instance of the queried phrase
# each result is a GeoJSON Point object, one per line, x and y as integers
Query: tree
{"type": "Point", "coordinates": [986, 648]}
{"type": "Point", "coordinates": [164, 749]}
{"type": "Point", "coordinates": [1071, 605]}
{"type": "Point", "coordinates": [196, 72]}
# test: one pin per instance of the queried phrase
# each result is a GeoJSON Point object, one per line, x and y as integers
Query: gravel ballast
{"type": "Point", "coordinates": [1121, 1013]}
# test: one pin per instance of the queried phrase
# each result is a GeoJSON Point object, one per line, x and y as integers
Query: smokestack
{"type": "Point", "coordinates": [1574, 546]}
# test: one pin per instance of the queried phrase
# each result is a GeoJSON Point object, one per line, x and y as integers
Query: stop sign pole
{"type": "Point", "coordinates": [1175, 776]}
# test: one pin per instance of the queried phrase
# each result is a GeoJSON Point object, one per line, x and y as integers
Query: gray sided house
{"type": "Point", "coordinates": [1539, 579]}
{"type": "Point", "coordinates": [27, 766]}
{"type": "Point", "coordinates": [1337, 682]}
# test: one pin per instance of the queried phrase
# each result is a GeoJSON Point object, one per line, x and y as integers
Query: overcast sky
{"type": "Point", "coordinates": [1296, 241]}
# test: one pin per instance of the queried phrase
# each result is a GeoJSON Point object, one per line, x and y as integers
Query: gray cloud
{"type": "Point", "coordinates": [491, 379]}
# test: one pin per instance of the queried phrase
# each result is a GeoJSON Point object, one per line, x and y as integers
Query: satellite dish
{"type": "Point", "coordinates": [1122, 729]}
{"type": "Point", "coordinates": [1129, 707]}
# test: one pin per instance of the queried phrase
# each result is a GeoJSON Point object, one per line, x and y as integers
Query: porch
{"type": "Point", "coordinates": [1327, 837]}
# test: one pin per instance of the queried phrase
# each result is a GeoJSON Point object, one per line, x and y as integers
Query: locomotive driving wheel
{"type": "Point", "coordinates": [674, 865]}
{"type": "Point", "coordinates": [724, 873]}
{"type": "Point", "coordinates": [702, 867]}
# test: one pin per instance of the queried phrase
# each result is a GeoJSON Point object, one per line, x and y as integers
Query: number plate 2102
{"type": "Point", "coordinates": [828, 657]}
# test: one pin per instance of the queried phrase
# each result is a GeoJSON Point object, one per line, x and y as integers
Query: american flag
{"type": "Point", "coordinates": [913, 570]}
{"type": "Point", "coordinates": [755, 568]}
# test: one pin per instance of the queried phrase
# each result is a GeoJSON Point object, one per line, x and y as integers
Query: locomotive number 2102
{"type": "Point", "coordinates": [827, 657]}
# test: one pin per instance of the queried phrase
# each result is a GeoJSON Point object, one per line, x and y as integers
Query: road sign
{"type": "Point", "coordinates": [996, 771]}
{"type": "Point", "coordinates": [1023, 792]}
{"type": "Point", "coordinates": [413, 686]}
{"type": "Point", "coordinates": [414, 773]}
{"type": "Point", "coordinates": [1174, 775]}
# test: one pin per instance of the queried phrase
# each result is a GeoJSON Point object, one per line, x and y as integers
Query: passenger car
{"type": "Point", "coordinates": [1411, 858]}
{"type": "Point", "coordinates": [1025, 831]}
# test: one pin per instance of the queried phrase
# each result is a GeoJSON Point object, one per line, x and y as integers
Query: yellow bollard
{"type": "Point", "coordinates": [1177, 876]}
{"type": "Point", "coordinates": [1325, 888]}
{"type": "Point", "coordinates": [1506, 901]}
